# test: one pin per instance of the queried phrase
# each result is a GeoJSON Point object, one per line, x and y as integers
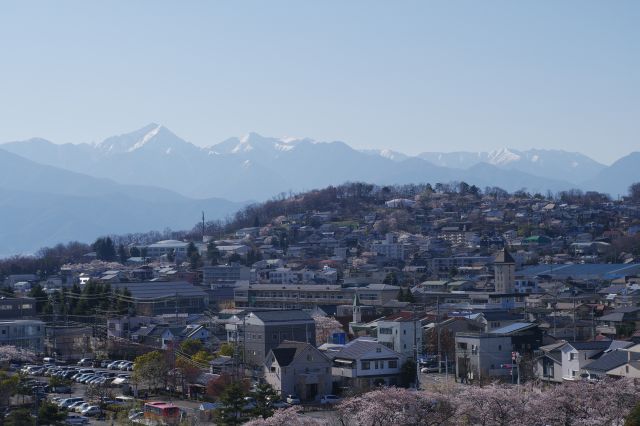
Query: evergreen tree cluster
{"type": "Point", "coordinates": [105, 249]}
{"type": "Point", "coordinates": [92, 298]}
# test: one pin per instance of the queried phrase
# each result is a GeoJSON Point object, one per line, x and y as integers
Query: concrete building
{"type": "Point", "coordinates": [260, 331]}
{"type": "Point", "coordinates": [482, 356]}
{"type": "Point", "coordinates": [504, 268]}
{"type": "Point", "coordinates": [157, 298]}
{"type": "Point", "coordinates": [307, 296]}
{"type": "Point", "coordinates": [17, 308]}
{"type": "Point", "coordinates": [389, 248]}
{"type": "Point", "coordinates": [28, 334]}
{"type": "Point", "coordinates": [225, 273]}
{"type": "Point", "coordinates": [298, 368]}
{"type": "Point", "coordinates": [166, 247]}
{"type": "Point", "coordinates": [401, 332]}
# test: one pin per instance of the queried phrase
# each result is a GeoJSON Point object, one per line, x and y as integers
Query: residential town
{"type": "Point", "coordinates": [316, 304]}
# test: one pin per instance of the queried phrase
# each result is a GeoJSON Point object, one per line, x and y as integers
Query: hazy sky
{"type": "Point", "coordinates": [412, 76]}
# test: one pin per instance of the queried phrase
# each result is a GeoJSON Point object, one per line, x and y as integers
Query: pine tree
{"type": "Point", "coordinates": [233, 403]}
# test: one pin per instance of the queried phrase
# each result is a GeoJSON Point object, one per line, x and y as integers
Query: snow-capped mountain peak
{"type": "Point", "coordinates": [154, 137]}
{"type": "Point", "coordinates": [146, 138]}
{"type": "Point", "coordinates": [502, 157]}
{"type": "Point", "coordinates": [389, 154]}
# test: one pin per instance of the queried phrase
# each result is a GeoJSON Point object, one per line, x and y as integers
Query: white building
{"type": "Point", "coordinates": [389, 248]}
{"type": "Point", "coordinates": [401, 332]}
{"type": "Point", "coordinates": [364, 363]}
{"type": "Point", "coordinates": [167, 247]}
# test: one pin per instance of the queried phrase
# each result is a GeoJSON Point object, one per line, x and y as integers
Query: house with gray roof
{"type": "Point", "coordinates": [365, 363]}
{"type": "Point", "coordinates": [616, 363]}
{"type": "Point", "coordinates": [298, 368]}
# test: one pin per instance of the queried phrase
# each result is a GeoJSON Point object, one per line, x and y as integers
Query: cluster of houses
{"type": "Point", "coordinates": [483, 288]}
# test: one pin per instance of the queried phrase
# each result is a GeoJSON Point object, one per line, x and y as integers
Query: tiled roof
{"type": "Point", "coordinates": [611, 360]}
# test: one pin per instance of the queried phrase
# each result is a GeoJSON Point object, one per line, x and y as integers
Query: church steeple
{"type": "Point", "coordinates": [357, 309]}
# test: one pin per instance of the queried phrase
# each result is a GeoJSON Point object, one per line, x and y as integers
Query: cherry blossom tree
{"type": "Point", "coordinates": [325, 327]}
{"type": "Point", "coordinates": [13, 353]}
{"type": "Point", "coordinates": [582, 403]}
{"type": "Point", "coordinates": [397, 406]}
{"type": "Point", "coordinates": [288, 416]}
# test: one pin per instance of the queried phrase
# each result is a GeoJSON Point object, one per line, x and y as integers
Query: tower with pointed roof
{"type": "Point", "coordinates": [357, 309]}
{"type": "Point", "coordinates": [504, 269]}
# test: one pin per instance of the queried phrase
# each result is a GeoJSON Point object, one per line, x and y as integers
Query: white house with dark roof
{"type": "Point", "coordinates": [566, 360]}
{"type": "Point", "coordinates": [364, 363]}
{"type": "Point", "coordinates": [298, 368]}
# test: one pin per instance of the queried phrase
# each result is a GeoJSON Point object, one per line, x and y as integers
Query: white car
{"type": "Point", "coordinates": [73, 405]}
{"type": "Point", "coordinates": [330, 399]}
{"type": "Point", "coordinates": [92, 410]}
{"type": "Point", "coordinates": [78, 408]}
{"type": "Point", "coordinates": [293, 399]}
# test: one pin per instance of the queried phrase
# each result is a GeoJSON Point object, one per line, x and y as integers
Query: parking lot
{"type": "Point", "coordinates": [68, 385]}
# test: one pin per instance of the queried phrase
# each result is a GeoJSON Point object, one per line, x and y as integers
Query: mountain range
{"type": "Point", "coordinates": [151, 178]}
{"type": "Point", "coordinates": [43, 205]}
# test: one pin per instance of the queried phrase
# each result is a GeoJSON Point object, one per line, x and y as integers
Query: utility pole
{"type": "Point", "coordinates": [438, 332]}
{"type": "Point", "coordinates": [574, 314]}
{"type": "Point", "coordinates": [203, 226]}
{"type": "Point", "coordinates": [415, 345]}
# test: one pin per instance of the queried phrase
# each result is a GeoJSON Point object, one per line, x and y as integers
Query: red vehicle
{"type": "Point", "coordinates": [162, 412]}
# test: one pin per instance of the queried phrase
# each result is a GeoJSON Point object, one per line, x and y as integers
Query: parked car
{"type": "Point", "coordinates": [136, 415]}
{"type": "Point", "coordinates": [76, 420]}
{"type": "Point", "coordinates": [78, 408]}
{"type": "Point", "coordinates": [280, 404]}
{"type": "Point", "coordinates": [92, 410]}
{"type": "Point", "coordinates": [86, 362]}
{"type": "Point", "coordinates": [425, 370]}
{"type": "Point", "coordinates": [330, 399]}
{"type": "Point", "coordinates": [293, 399]}
{"type": "Point", "coordinates": [66, 402]}
{"type": "Point", "coordinates": [73, 405]}
{"type": "Point", "coordinates": [114, 365]}
{"type": "Point", "coordinates": [61, 389]}
{"type": "Point", "coordinates": [105, 363]}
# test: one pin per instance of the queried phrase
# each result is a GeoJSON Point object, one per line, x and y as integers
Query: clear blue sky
{"type": "Point", "coordinates": [412, 76]}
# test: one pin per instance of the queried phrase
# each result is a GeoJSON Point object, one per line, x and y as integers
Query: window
{"type": "Point", "coordinates": [366, 365]}
{"type": "Point", "coordinates": [404, 332]}
{"type": "Point", "coordinates": [378, 349]}
{"type": "Point", "coordinates": [393, 363]}
{"type": "Point", "coordinates": [572, 356]}
{"type": "Point", "coordinates": [499, 347]}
